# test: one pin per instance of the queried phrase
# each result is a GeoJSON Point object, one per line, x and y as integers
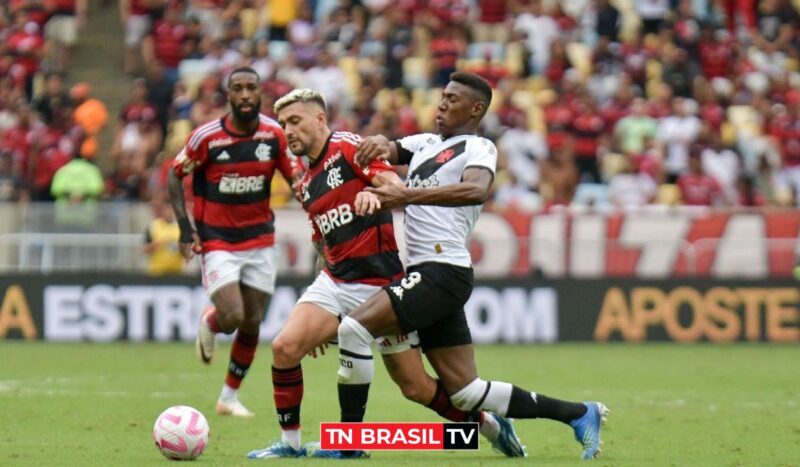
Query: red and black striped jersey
{"type": "Point", "coordinates": [232, 174]}
{"type": "Point", "coordinates": [357, 248]}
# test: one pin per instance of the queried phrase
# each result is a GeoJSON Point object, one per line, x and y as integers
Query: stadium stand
{"type": "Point", "coordinates": [612, 95]}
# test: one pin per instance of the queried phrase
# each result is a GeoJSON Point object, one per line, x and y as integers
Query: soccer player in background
{"type": "Point", "coordinates": [449, 177]}
{"type": "Point", "coordinates": [359, 255]}
{"type": "Point", "coordinates": [232, 161]}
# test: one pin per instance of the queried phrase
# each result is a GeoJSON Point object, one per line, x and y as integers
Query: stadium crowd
{"type": "Point", "coordinates": [597, 102]}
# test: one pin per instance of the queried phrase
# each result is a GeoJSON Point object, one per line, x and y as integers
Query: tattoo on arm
{"type": "Point", "coordinates": [179, 207]}
{"type": "Point", "coordinates": [319, 265]}
{"type": "Point", "coordinates": [176, 196]}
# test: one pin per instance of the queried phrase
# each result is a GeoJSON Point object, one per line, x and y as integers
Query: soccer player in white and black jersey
{"type": "Point", "coordinates": [359, 256]}
{"type": "Point", "coordinates": [449, 177]}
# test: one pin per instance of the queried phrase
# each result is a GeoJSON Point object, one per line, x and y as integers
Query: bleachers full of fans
{"type": "Point", "coordinates": [44, 124]}
{"type": "Point", "coordinates": [598, 103]}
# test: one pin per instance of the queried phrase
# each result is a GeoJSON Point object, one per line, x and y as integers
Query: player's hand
{"type": "Point", "coordinates": [367, 203]}
{"type": "Point", "coordinates": [390, 195]}
{"type": "Point", "coordinates": [188, 250]}
{"type": "Point", "coordinates": [371, 148]}
{"type": "Point", "coordinates": [320, 348]}
{"type": "Point", "coordinates": [297, 182]}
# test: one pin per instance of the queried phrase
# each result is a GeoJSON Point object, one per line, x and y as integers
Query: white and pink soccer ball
{"type": "Point", "coordinates": [181, 433]}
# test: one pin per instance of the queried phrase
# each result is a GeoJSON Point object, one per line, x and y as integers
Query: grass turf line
{"type": "Point", "coordinates": [95, 404]}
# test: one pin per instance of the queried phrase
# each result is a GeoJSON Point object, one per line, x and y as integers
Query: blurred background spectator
{"type": "Point", "coordinates": [161, 242]}
{"type": "Point", "coordinates": [91, 115]}
{"type": "Point", "coordinates": [76, 188]}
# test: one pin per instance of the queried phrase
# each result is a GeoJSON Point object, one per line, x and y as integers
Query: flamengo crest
{"type": "Point", "coordinates": [335, 177]}
{"type": "Point", "coordinates": [263, 152]}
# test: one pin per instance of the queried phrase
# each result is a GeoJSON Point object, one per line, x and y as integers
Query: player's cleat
{"type": "Point", "coordinates": [277, 450]}
{"type": "Point", "coordinates": [206, 340]}
{"type": "Point", "coordinates": [507, 441]}
{"type": "Point", "coordinates": [233, 407]}
{"type": "Point", "coordinates": [312, 450]}
{"type": "Point", "coordinates": [587, 428]}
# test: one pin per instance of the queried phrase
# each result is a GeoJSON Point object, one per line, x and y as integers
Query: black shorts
{"type": "Point", "coordinates": [430, 299]}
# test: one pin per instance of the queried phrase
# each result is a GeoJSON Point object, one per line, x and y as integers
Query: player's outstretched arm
{"type": "Point", "coordinates": [473, 189]}
{"type": "Point", "coordinates": [189, 241]}
{"type": "Point", "coordinates": [376, 147]}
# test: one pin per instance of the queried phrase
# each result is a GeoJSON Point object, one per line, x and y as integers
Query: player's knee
{"type": "Point", "coordinates": [285, 352]}
{"type": "Point", "coordinates": [230, 318]}
{"type": "Point", "coordinates": [352, 333]}
{"type": "Point", "coordinates": [469, 397]}
{"type": "Point", "coordinates": [346, 332]}
{"type": "Point", "coordinates": [413, 392]}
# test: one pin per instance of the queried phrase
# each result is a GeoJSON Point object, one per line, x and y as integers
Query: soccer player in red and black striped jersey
{"type": "Point", "coordinates": [232, 161]}
{"type": "Point", "coordinates": [360, 256]}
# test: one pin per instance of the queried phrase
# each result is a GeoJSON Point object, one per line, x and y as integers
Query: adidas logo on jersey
{"type": "Point", "coordinates": [224, 156]}
{"type": "Point", "coordinates": [417, 182]}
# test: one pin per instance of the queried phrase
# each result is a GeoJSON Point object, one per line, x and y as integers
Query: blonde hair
{"type": "Point", "coordinates": [300, 95]}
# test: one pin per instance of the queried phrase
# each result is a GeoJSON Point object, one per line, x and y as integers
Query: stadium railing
{"type": "Point", "coordinates": [503, 245]}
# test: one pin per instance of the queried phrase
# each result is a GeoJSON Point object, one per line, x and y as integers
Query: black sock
{"type": "Point", "coordinates": [353, 401]}
{"type": "Point", "coordinates": [522, 405]}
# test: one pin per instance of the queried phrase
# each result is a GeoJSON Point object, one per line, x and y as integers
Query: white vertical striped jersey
{"type": "Point", "coordinates": [439, 233]}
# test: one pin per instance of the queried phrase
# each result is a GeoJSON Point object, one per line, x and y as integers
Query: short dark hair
{"type": "Point", "coordinates": [243, 69]}
{"type": "Point", "coordinates": [476, 83]}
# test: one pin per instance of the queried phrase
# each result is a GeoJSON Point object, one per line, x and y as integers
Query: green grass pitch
{"type": "Point", "coordinates": [671, 405]}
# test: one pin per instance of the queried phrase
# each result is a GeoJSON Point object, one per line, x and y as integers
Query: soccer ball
{"type": "Point", "coordinates": [181, 433]}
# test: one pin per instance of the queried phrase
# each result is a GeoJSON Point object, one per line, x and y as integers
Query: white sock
{"type": "Point", "coordinates": [355, 353]}
{"type": "Point", "coordinates": [228, 393]}
{"type": "Point", "coordinates": [292, 438]}
{"type": "Point", "coordinates": [490, 428]}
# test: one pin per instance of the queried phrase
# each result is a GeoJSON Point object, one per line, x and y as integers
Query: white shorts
{"type": "Point", "coordinates": [62, 29]}
{"type": "Point", "coordinates": [254, 268]}
{"type": "Point", "coordinates": [340, 299]}
{"type": "Point", "coordinates": [136, 28]}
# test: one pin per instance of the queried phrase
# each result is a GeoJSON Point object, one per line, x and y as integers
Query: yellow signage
{"type": "Point", "coordinates": [720, 314]}
{"type": "Point", "coordinates": [16, 314]}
